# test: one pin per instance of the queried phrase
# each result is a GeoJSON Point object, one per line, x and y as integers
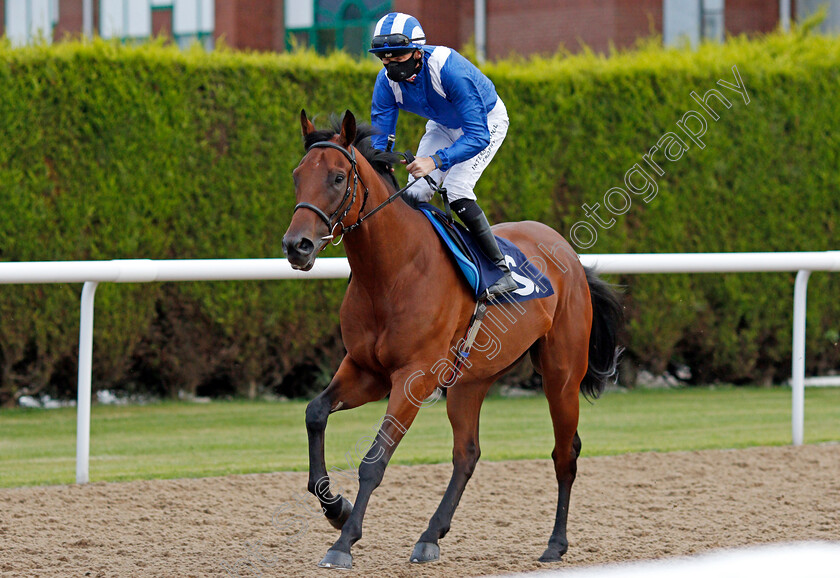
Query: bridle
{"type": "Point", "coordinates": [350, 193]}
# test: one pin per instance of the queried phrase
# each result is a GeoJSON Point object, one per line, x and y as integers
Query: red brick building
{"type": "Point", "coordinates": [541, 26]}
{"type": "Point", "coordinates": [512, 26]}
{"type": "Point", "coordinates": [251, 24]}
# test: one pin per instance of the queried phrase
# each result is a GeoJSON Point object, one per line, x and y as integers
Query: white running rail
{"type": "Point", "coordinates": [91, 273]}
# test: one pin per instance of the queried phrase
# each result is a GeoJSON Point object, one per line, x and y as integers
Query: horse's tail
{"type": "Point", "coordinates": [607, 320]}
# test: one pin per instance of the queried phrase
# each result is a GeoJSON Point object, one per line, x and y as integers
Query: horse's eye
{"type": "Point", "coordinates": [339, 178]}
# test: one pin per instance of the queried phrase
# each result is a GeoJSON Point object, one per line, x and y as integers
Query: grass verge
{"type": "Point", "coordinates": [174, 440]}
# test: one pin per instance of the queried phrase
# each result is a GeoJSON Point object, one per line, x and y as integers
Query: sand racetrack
{"type": "Point", "coordinates": [630, 507]}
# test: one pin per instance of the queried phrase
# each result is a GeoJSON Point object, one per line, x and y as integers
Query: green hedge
{"type": "Point", "coordinates": [110, 151]}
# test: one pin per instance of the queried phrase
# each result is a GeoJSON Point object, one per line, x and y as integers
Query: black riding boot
{"type": "Point", "coordinates": [473, 217]}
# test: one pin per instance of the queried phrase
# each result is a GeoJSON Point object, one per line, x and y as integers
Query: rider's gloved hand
{"type": "Point", "coordinates": [419, 168]}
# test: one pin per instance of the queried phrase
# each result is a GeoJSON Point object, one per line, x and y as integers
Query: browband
{"type": "Point", "coordinates": [351, 156]}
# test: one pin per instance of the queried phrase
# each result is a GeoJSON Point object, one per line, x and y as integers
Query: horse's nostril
{"type": "Point", "coordinates": [301, 247]}
{"type": "Point", "coordinates": [305, 246]}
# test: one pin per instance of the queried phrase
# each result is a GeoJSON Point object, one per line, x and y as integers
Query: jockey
{"type": "Point", "coordinates": [467, 121]}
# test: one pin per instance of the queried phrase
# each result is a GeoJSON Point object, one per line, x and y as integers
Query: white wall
{"type": "Point", "coordinates": [831, 24]}
{"type": "Point", "coordinates": [193, 16]}
{"type": "Point", "coordinates": [133, 18]}
{"type": "Point", "coordinates": [690, 21]}
{"type": "Point", "coordinates": [681, 22]}
{"type": "Point", "coordinates": [299, 13]}
{"type": "Point", "coordinates": [29, 19]}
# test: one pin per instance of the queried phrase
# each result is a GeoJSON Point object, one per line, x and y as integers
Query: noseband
{"type": "Point", "coordinates": [350, 193]}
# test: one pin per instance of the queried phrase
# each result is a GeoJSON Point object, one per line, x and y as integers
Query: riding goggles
{"type": "Point", "coordinates": [395, 41]}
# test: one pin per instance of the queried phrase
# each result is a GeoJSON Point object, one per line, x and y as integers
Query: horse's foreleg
{"type": "Point", "coordinates": [462, 405]}
{"type": "Point", "coordinates": [350, 388]}
{"type": "Point", "coordinates": [402, 409]}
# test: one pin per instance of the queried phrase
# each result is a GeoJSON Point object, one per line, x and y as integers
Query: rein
{"type": "Point", "coordinates": [351, 194]}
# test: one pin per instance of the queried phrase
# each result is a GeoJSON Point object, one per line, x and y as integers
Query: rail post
{"type": "Point", "coordinates": [83, 399]}
{"type": "Point", "coordinates": [800, 293]}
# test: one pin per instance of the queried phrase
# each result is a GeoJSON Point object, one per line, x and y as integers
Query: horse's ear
{"type": "Point", "coordinates": [348, 129]}
{"type": "Point", "coordinates": [306, 126]}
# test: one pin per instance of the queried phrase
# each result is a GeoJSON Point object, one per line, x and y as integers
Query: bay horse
{"type": "Point", "coordinates": [403, 313]}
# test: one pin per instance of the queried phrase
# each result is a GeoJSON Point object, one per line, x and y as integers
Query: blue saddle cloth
{"type": "Point", "coordinates": [478, 271]}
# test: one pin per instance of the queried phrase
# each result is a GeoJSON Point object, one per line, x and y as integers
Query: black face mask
{"type": "Point", "coordinates": [400, 71]}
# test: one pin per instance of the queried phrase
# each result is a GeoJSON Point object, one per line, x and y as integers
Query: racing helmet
{"type": "Point", "coordinates": [396, 34]}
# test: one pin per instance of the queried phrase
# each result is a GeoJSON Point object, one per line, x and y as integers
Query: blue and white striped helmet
{"type": "Point", "coordinates": [397, 33]}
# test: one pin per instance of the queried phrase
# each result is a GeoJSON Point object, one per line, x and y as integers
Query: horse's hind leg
{"type": "Point", "coordinates": [349, 388]}
{"type": "Point", "coordinates": [463, 404]}
{"type": "Point", "coordinates": [562, 360]}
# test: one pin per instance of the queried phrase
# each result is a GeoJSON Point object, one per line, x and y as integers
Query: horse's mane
{"type": "Point", "coordinates": [381, 161]}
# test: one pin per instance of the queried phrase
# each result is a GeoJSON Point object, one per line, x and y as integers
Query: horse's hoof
{"type": "Point", "coordinates": [551, 555]}
{"type": "Point", "coordinates": [425, 552]}
{"type": "Point", "coordinates": [346, 510]}
{"type": "Point", "coordinates": [336, 559]}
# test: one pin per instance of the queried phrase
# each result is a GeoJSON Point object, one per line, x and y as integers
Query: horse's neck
{"type": "Point", "coordinates": [380, 249]}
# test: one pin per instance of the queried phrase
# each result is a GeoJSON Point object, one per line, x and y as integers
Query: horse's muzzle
{"type": "Point", "coordinates": [300, 251]}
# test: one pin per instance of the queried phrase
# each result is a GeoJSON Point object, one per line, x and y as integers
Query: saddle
{"type": "Point", "coordinates": [477, 270]}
